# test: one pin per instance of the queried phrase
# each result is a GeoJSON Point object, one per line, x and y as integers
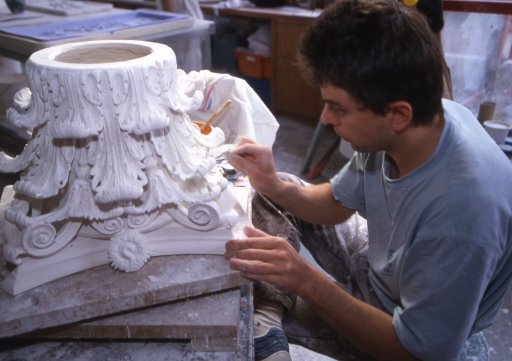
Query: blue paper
{"type": "Point", "coordinates": [88, 27]}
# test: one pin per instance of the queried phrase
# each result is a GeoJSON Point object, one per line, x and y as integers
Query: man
{"type": "Point", "coordinates": [432, 185]}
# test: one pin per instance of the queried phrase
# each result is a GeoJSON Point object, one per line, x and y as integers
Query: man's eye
{"type": "Point", "coordinates": [335, 108]}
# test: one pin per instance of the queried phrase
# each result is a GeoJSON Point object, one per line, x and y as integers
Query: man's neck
{"type": "Point", "coordinates": [415, 147]}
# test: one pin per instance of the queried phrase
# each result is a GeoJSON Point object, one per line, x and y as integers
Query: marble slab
{"type": "Point", "coordinates": [104, 291]}
{"type": "Point", "coordinates": [111, 351]}
{"type": "Point", "coordinates": [191, 312]}
{"type": "Point", "coordinates": [209, 322]}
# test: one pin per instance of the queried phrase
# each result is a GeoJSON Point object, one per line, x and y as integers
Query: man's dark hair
{"type": "Point", "coordinates": [379, 51]}
{"type": "Point", "coordinates": [433, 11]}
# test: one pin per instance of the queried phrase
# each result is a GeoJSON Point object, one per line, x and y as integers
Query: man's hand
{"type": "Point", "coordinates": [262, 257]}
{"type": "Point", "coordinates": [256, 161]}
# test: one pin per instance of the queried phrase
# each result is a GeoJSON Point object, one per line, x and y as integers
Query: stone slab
{"type": "Point", "coordinates": [23, 349]}
{"type": "Point", "coordinates": [211, 320]}
{"type": "Point", "coordinates": [110, 351]}
{"type": "Point", "coordinates": [104, 291]}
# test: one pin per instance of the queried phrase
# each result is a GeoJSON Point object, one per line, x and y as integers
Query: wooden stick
{"type": "Point", "coordinates": [215, 115]}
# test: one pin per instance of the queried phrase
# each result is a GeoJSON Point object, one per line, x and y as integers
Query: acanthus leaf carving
{"type": "Point", "coordinates": [116, 174]}
{"type": "Point", "coordinates": [138, 111]}
{"type": "Point", "coordinates": [181, 95]}
{"type": "Point", "coordinates": [14, 165]}
{"type": "Point", "coordinates": [37, 113]}
{"type": "Point", "coordinates": [152, 80]}
{"type": "Point", "coordinates": [74, 115]}
{"type": "Point", "coordinates": [90, 86]}
{"type": "Point", "coordinates": [180, 154]}
{"type": "Point", "coordinates": [49, 168]}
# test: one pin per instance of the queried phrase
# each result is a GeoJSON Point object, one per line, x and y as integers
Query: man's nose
{"type": "Point", "coordinates": [326, 117]}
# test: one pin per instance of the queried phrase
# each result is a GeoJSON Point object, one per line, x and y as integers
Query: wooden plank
{"type": "Point", "coordinates": [479, 6]}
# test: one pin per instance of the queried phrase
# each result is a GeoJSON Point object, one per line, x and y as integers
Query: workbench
{"type": "Point", "coordinates": [218, 324]}
{"type": "Point", "coordinates": [179, 307]}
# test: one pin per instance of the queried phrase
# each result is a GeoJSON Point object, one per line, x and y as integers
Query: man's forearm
{"type": "Point", "coordinates": [313, 203]}
{"type": "Point", "coordinates": [363, 325]}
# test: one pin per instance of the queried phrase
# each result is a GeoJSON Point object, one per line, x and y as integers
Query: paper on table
{"type": "Point", "coordinates": [68, 7]}
{"type": "Point", "coordinates": [105, 24]}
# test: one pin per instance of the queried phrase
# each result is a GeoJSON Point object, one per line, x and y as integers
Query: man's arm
{"type": "Point", "coordinates": [314, 203]}
{"type": "Point", "coordinates": [271, 259]}
{"type": "Point", "coordinates": [363, 325]}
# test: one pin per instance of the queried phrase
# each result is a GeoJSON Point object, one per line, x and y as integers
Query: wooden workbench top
{"type": "Point", "coordinates": [271, 13]}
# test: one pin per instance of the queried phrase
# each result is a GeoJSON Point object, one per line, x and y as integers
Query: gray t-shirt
{"type": "Point", "coordinates": [440, 238]}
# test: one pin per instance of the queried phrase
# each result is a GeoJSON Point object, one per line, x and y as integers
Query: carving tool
{"type": "Point", "coordinates": [215, 115]}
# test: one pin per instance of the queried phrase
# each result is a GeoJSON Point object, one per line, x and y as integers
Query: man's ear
{"type": "Point", "coordinates": [400, 113]}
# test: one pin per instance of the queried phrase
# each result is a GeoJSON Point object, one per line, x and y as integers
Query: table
{"type": "Point", "coordinates": [20, 48]}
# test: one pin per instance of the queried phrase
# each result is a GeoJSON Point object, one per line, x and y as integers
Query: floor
{"type": "Point", "coordinates": [289, 151]}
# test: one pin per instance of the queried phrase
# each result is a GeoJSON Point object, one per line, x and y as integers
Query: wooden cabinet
{"type": "Point", "coordinates": [290, 92]}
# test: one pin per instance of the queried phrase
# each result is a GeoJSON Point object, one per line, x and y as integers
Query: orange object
{"type": "Point", "coordinates": [253, 65]}
{"type": "Point", "coordinates": [205, 128]}
{"type": "Point", "coordinates": [410, 3]}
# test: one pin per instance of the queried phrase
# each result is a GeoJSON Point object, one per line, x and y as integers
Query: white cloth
{"type": "Point", "coordinates": [188, 51]}
{"type": "Point", "coordinates": [247, 115]}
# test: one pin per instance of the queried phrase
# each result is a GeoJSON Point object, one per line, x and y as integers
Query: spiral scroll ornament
{"type": "Point", "coordinates": [39, 240]}
{"type": "Point", "coordinates": [110, 226]}
{"type": "Point", "coordinates": [141, 220]}
{"type": "Point", "coordinates": [127, 251]}
{"type": "Point", "coordinates": [204, 215]}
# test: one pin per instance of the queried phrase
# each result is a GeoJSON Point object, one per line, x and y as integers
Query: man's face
{"type": "Point", "coordinates": [365, 130]}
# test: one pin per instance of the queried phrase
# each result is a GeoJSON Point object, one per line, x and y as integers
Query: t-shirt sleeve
{"type": "Point", "coordinates": [441, 288]}
{"type": "Point", "coordinates": [348, 184]}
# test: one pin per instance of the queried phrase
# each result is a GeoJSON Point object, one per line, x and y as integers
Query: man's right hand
{"type": "Point", "coordinates": [256, 161]}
